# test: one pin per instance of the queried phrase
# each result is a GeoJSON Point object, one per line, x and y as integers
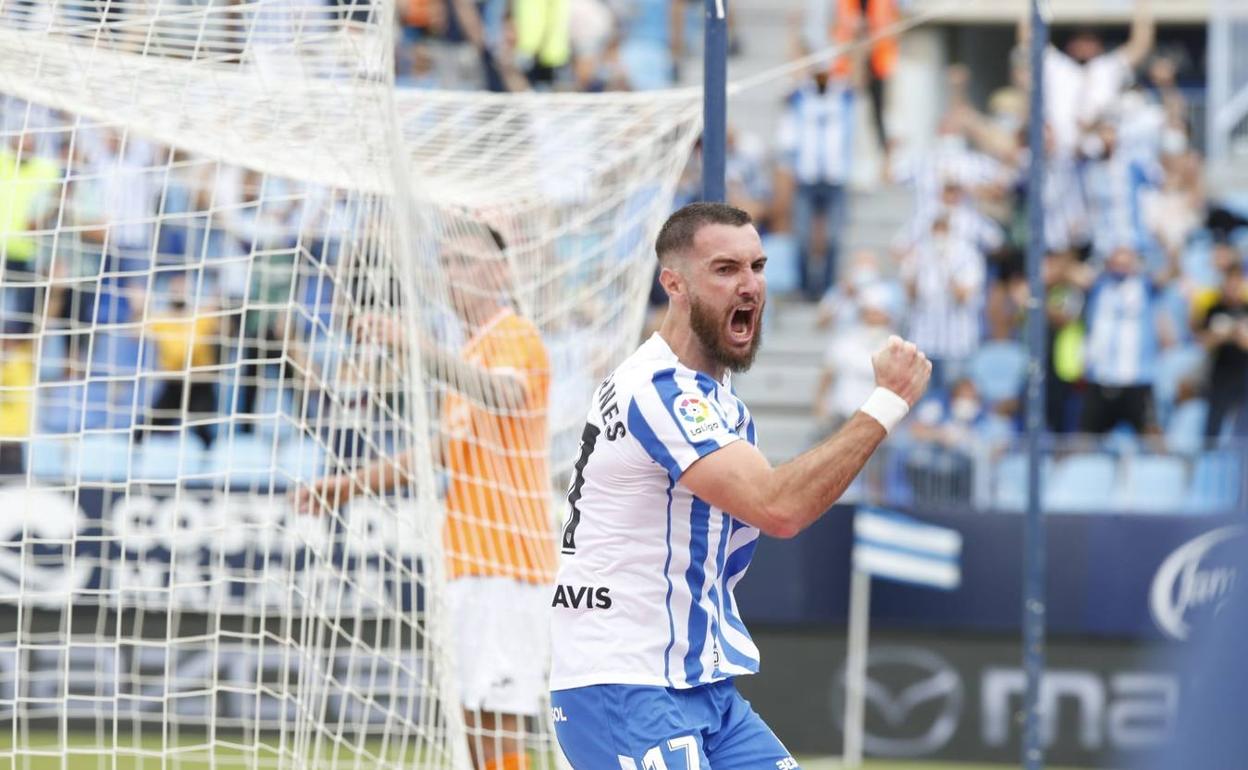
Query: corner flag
{"type": "Point", "coordinates": [896, 547]}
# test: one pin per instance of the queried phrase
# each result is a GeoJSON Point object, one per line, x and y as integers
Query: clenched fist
{"type": "Point", "coordinates": [902, 368]}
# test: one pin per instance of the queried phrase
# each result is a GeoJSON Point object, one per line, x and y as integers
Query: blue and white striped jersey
{"type": "Point", "coordinates": [816, 133]}
{"type": "Point", "coordinates": [644, 589]}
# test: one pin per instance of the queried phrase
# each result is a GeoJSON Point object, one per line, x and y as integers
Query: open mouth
{"type": "Point", "coordinates": [741, 324]}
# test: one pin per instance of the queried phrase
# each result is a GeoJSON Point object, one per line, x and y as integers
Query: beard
{"type": "Point", "coordinates": [708, 327]}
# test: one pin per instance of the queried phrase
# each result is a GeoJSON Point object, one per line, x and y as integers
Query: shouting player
{"type": "Point", "coordinates": [669, 496]}
{"type": "Point", "coordinates": [500, 546]}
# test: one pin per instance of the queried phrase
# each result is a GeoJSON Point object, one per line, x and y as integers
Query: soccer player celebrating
{"type": "Point", "coordinates": [667, 502]}
{"type": "Point", "coordinates": [499, 542]}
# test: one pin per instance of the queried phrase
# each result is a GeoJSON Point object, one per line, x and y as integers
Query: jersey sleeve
{"type": "Point", "coordinates": [676, 423]}
{"type": "Point", "coordinates": [516, 349]}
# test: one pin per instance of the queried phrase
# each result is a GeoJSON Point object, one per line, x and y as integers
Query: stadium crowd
{"type": "Point", "coordinates": [518, 45]}
{"type": "Point", "coordinates": [1147, 339]}
{"type": "Point", "coordinates": [1145, 292]}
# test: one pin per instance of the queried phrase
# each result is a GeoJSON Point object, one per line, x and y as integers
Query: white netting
{"type": "Point", "coordinates": [237, 264]}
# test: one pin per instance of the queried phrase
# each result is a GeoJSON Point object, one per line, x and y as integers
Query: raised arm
{"type": "Point", "coordinates": [491, 389]}
{"type": "Point", "coordinates": [333, 491]}
{"type": "Point", "coordinates": [1143, 34]}
{"type": "Point", "coordinates": [784, 500]}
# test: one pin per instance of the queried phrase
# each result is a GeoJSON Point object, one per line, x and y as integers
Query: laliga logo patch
{"type": "Point", "coordinates": [696, 415]}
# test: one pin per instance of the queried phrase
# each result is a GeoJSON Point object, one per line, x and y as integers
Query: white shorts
{"type": "Point", "coordinates": [501, 630]}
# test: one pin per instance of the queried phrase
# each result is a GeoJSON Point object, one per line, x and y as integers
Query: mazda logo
{"type": "Point", "coordinates": [913, 702]}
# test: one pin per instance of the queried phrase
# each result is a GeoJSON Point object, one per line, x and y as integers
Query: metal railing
{"type": "Point", "coordinates": [1080, 474]}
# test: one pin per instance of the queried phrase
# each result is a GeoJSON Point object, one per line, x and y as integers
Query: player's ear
{"type": "Point", "coordinates": [672, 281]}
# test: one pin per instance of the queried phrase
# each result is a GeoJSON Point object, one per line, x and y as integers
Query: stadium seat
{"type": "Point", "coordinates": [60, 407]}
{"type": "Point", "coordinates": [275, 410]}
{"type": "Point", "coordinates": [1173, 366]}
{"type": "Point", "coordinates": [114, 389]}
{"type": "Point", "coordinates": [241, 459]}
{"type": "Point", "coordinates": [999, 370]}
{"type": "Point", "coordinates": [53, 357]}
{"type": "Point", "coordinates": [52, 458]}
{"type": "Point", "coordinates": [1154, 484]}
{"type": "Point", "coordinates": [1185, 430]}
{"type": "Point", "coordinates": [1009, 492]}
{"type": "Point", "coordinates": [1121, 441]}
{"type": "Point", "coordinates": [1216, 484]}
{"type": "Point", "coordinates": [167, 458]}
{"type": "Point", "coordinates": [1083, 483]}
{"type": "Point", "coordinates": [104, 457]}
{"type": "Point", "coordinates": [300, 459]}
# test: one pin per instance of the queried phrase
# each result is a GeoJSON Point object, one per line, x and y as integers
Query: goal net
{"type": "Point", "coordinates": [293, 368]}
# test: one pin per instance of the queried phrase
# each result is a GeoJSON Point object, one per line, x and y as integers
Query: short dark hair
{"type": "Point", "coordinates": [497, 237]}
{"type": "Point", "coordinates": [679, 230]}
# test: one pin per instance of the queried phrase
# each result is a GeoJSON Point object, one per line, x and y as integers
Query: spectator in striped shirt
{"type": "Point", "coordinates": [816, 151]}
{"type": "Point", "coordinates": [945, 278]}
{"type": "Point", "coordinates": [966, 222]}
{"type": "Point", "coordinates": [1117, 182]}
{"type": "Point", "coordinates": [1125, 330]}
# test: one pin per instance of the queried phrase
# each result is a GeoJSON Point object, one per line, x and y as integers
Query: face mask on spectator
{"type": "Point", "coordinates": [1092, 147]}
{"type": "Point", "coordinates": [862, 277]}
{"type": "Point", "coordinates": [952, 143]}
{"type": "Point", "coordinates": [964, 409]}
{"type": "Point", "coordinates": [1173, 142]}
{"type": "Point", "coordinates": [1008, 123]}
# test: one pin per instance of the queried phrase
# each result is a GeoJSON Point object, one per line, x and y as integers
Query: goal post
{"type": "Point", "coordinates": [238, 261]}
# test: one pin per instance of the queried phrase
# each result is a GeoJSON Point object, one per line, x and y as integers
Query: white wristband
{"type": "Point", "coordinates": [886, 407]}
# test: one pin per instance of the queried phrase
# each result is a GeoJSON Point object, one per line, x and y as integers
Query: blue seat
{"type": "Point", "coordinates": [61, 407]}
{"type": "Point", "coordinates": [1185, 430]}
{"type": "Point", "coordinates": [1154, 484]}
{"type": "Point", "coordinates": [275, 410]}
{"type": "Point", "coordinates": [300, 460]}
{"type": "Point", "coordinates": [1009, 492]}
{"type": "Point", "coordinates": [115, 389]}
{"type": "Point", "coordinates": [104, 457]}
{"type": "Point", "coordinates": [1083, 482]}
{"type": "Point", "coordinates": [53, 357]}
{"type": "Point", "coordinates": [1216, 483]}
{"type": "Point", "coordinates": [52, 457]}
{"type": "Point", "coordinates": [1120, 441]}
{"type": "Point", "coordinates": [168, 458]}
{"type": "Point", "coordinates": [242, 460]}
{"type": "Point", "coordinates": [999, 370]}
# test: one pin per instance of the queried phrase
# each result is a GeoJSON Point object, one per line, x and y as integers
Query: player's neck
{"type": "Point", "coordinates": [481, 315]}
{"type": "Point", "coordinates": [688, 348]}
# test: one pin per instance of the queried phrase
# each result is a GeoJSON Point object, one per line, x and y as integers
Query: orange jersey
{"type": "Point", "coordinates": [498, 499]}
{"type": "Point", "coordinates": [881, 14]}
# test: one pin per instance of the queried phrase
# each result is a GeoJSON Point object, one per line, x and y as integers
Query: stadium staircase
{"type": "Point", "coordinates": [780, 388]}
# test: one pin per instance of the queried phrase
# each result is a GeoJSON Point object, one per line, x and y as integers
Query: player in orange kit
{"type": "Point", "coordinates": [500, 545]}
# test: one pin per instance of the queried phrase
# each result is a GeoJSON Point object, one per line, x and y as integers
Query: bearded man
{"type": "Point", "coordinates": [668, 499]}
